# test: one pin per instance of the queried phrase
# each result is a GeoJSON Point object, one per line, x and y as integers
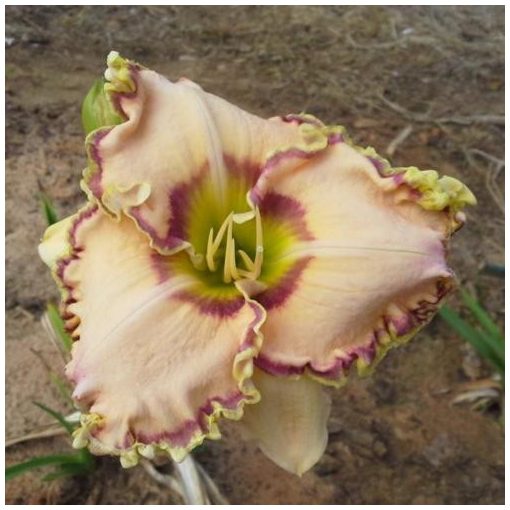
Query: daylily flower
{"type": "Point", "coordinates": [227, 265]}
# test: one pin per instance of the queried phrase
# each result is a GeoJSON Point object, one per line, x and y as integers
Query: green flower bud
{"type": "Point", "coordinates": [97, 110]}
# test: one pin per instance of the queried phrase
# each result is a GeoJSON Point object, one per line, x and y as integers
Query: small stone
{"type": "Point", "coordinates": [380, 448]}
{"type": "Point", "coordinates": [361, 437]}
{"type": "Point", "coordinates": [440, 450]}
{"type": "Point", "coordinates": [384, 391]}
{"type": "Point", "coordinates": [471, 363]}
{"type": "Point", "coordinates": [339, 449]}
{"type": "Point", "coordinates": [335, 426]}
{"type": "Point", "coordinates": [327, 465]}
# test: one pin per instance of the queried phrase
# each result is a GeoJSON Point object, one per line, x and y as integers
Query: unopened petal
{"type": "Point", "coordinates": [290, 421]}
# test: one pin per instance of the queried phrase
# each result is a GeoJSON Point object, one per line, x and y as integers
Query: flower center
{"type": "Point", "coordinates": [222, 245]}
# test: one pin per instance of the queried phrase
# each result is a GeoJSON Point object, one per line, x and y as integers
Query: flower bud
{"type": "Point", "coordinates": [97, 110]}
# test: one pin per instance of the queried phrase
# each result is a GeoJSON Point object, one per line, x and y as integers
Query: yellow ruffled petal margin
{"type": "Point", "coordinates": [434, 193]}
{"type": "Point", "coordinates": [129, 457]}
{"type": "Point", "coordinates": [431, 193]}
{"type": "Point", "coordinates": [385, 342]}
{"type": "Point", "coordinates": [224, 151]}
{"type": "Point", "coordinates": [58, 249]}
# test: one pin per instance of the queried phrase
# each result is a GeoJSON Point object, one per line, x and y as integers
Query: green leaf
{"type": "Point", "coordinates": [37, 462]}
{"type": "Point", "coordinates": [86, 458]}
{"type": "Point", "coordinates": [483, 343]}
{"type": "Point", "coordinates": [79, 463]}
{"type": "Point", "coordinates": [71, 469]}
{"type": "Point", "coordinates": [59, 417]}
{"type": "Point", "coordinates": [57, 323]}
{"type": "Point", "coordinates": [48, 210]}
{"type": "Point", "coordinates": [482, 316]}
{"type": "Point", "coordinates": [62, 387]}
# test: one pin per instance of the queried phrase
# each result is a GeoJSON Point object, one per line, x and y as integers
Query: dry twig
{"type": "Point", "coordinates": [491, 173]}
{"type": "Point", "coordinates": [212, 489]}
{"type": "Point", "coordinates": [43, 434]}
{"type": "Point", "coordinates": [192, 483]}
{"type": "Point", "coordinates": [461, 120]}
{"type": "Point", "coordinates": [163, 479]}
{"type": "Point", "coordinates": [399, 139]}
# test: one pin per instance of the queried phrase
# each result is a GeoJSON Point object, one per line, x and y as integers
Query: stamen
{"type": "Point", "coordinates": [247, 260]}
{"type": "Point", "coordinates": [259, 242]}
{"type": "Point", "coordinates": [258, 262]}
{"type": "Point", "coordinates": [221, 232]}
{"type": "Point", "coordinates": [212, 246]}
{"type": "Point", "coordinates": [229, 263]}
{"type": "Point", "coordinates": [241, 218]}
{"type": "Point", "coordinates": [209, 254]}
{"type": "Point", "coordinates": [245, 274]}
{"type": "Point", "coordinates": [232, 259]}
{"type": "Point", "coordinates": [230, 270]}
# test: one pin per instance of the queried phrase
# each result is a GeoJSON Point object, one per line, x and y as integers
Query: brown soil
{"type": "Point", "coordinates": [395, 438]}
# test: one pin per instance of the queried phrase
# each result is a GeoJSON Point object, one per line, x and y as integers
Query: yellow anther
{"type": "Point", "coordinates": [241, 218]}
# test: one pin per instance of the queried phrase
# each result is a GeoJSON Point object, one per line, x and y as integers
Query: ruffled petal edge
{"type": "Point", "coordinates": [389, 333]}
{"type": "Point", "coordinates": [207, 418]}
{"type": "Point", "coordinates": [430, 191]}
{"type": "Point", "coordinates": [58, 249]}
{"type": "Point", "coordinates": [442, 194]}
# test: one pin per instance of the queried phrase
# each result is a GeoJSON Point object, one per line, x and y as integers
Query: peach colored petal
{"type": "Point", "coordinates": [153, 367]}
{"type": "Point", "coordinates": [290, 421]}
{"type": "Point", "coordinates": [370, 274]}
{"type": "Point", "coordinates": [176, 136]}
